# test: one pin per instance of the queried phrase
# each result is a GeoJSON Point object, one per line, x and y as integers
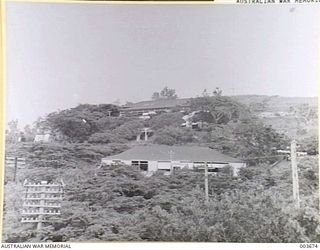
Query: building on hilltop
{"type": "Point", "coordinates": [145, 108]}
{"type": "Point", "coordinates": [152, 158]}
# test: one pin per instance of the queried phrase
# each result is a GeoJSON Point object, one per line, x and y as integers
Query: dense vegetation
{"type": "Point", "coordinates": [120, 204]}
{"type": "Point", "coordinates": [224, 120]}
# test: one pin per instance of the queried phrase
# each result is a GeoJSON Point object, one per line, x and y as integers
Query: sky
{"type": "Point", "coordinates": [61, 55]}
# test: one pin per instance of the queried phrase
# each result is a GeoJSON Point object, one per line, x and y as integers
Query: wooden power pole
{"type": "Point", "coordinates": [171, 159]}
{"type": "Point", "coordinates": [295, 179]}
{"type": "Point", "coordinates": [206, 182]}
{"type": "Point", "coordinates": [15, 169]}
{"type": "Point", "coordinates": [12, 166]}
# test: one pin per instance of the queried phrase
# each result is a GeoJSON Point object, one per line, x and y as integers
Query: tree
{"type": "Point", "coordinates": [309, 144]}
{"type": "Point", "coordinates": [128, 103]}
{"type": "Point", "coordinates": [233, 130]}
{"type": "Point", "coordinates": [217, 92]}
{"type": "Point", "coordinates": [13, 132]}
{"type": "Point", "coordinates": [129, 130]}
{"type": "Point", "coordinates": [166, 119]}
{"type": "Point", "coordinates": [172, 136]}
{"type": "Point", "coordinates": [165, 93]}
{"type": "Point", "coordinates": [222, 109]}
{"type": "Point", "coordinates": [117, 102]}
{"type": "Point", "coordinates": [168, 93]}
{"type": "Point", "coordinates": [13, 230]}
{"type": "Point", "coordinates": [78, 123]}
{"type": "Point", "coordinates": [155, 96]}
{"type": "Point", "coordinates": [108, 123]}
{"type": "Point", "coordinates": [119, 203]}
{"type": "Point", "coordinates": [29, 132]}
{"type": "Point", "coordinates": [105, 137]}
{"type": "Point", "coordinates": [205, 93]}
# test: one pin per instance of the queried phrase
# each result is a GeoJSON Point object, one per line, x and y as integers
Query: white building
{"type": "Point", "coordinates": [151, 158]}
{"type": "Point", "coordinates": [43, 138]}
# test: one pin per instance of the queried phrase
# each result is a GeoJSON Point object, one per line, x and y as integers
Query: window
{"type": "Point", "coordinates": [213, 170]}
{"type": "Point", "coordinates": [199, 164]}
{"type": "Point", "coordinates": [143, 165]}
{"type": "Point", "coordinates": [163, 170]}
{"type": "Point", "coordinates": [135, 163]}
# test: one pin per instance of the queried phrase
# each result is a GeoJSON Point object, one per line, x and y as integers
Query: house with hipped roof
{"type": "Point", "coordinates": [152, 158]}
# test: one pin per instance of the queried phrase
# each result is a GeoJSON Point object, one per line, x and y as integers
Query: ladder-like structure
{"type": "Point", "coordinates": [42, 200]}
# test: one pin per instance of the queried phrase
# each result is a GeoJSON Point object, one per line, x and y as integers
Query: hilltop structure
{"type": "Point", "coordinates": [152, 158]}
{"type": "Point", "coordinates": [146, 108]}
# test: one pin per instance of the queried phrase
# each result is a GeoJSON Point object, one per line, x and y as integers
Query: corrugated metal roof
{"type": "Point", "coordinates": [160, 103]}
{"type": "Point", "coordinates": [175, 153]}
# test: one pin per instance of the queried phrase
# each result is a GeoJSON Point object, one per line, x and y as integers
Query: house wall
{"type": "Point", "coordinates": [190, 165]}
{"type": "Point", "coordinates": [235, 166]}
{"type": "Point", "coordinates": [166, 165]}
{"type": "Point", "coordinates": [127, 163]}
{"type": "Point", "coordinates": [183, 164]}
{"type": "Point", "coordinates": [152, 166]}
{"type": "Point", "coordinates": [210, 165]}
{"type": "Point", "coordinates": [217, 165]}
{"type": "Point", "coordinates": [163, 165]}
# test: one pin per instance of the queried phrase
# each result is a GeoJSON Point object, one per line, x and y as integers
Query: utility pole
{"type": "Point", "coordinates": [171, 155]}
{"type": "Point", "coordinates": [295, 179]}
{"type": "Point", "coordinates": [12, 165]}
{"type": "Point", "coordinates": [15, 169]}
{"type": "Point", "coordinates": [146, 130]}
{"type": "Point", "coordinates": [206, 182]}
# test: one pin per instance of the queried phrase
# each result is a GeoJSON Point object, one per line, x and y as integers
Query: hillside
{"type": "Point", "coordinates": [120, 204]}
{"type": "Point", "coordinates": [276, 103]}
{"type": "Point", "coordinates": [117, 203]}
{"type": "Point", "coordinates": [294, 116]}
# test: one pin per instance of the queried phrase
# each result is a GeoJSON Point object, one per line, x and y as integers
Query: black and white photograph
{"type": "Point", "coordinates": [161, 123]}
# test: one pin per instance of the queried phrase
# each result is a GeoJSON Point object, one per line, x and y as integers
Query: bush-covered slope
{"type": "Point", "coordinates": [119, 204]}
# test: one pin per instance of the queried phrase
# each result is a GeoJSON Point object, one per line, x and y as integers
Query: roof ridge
{"type": "Point", "coordinates": [184, 152]}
